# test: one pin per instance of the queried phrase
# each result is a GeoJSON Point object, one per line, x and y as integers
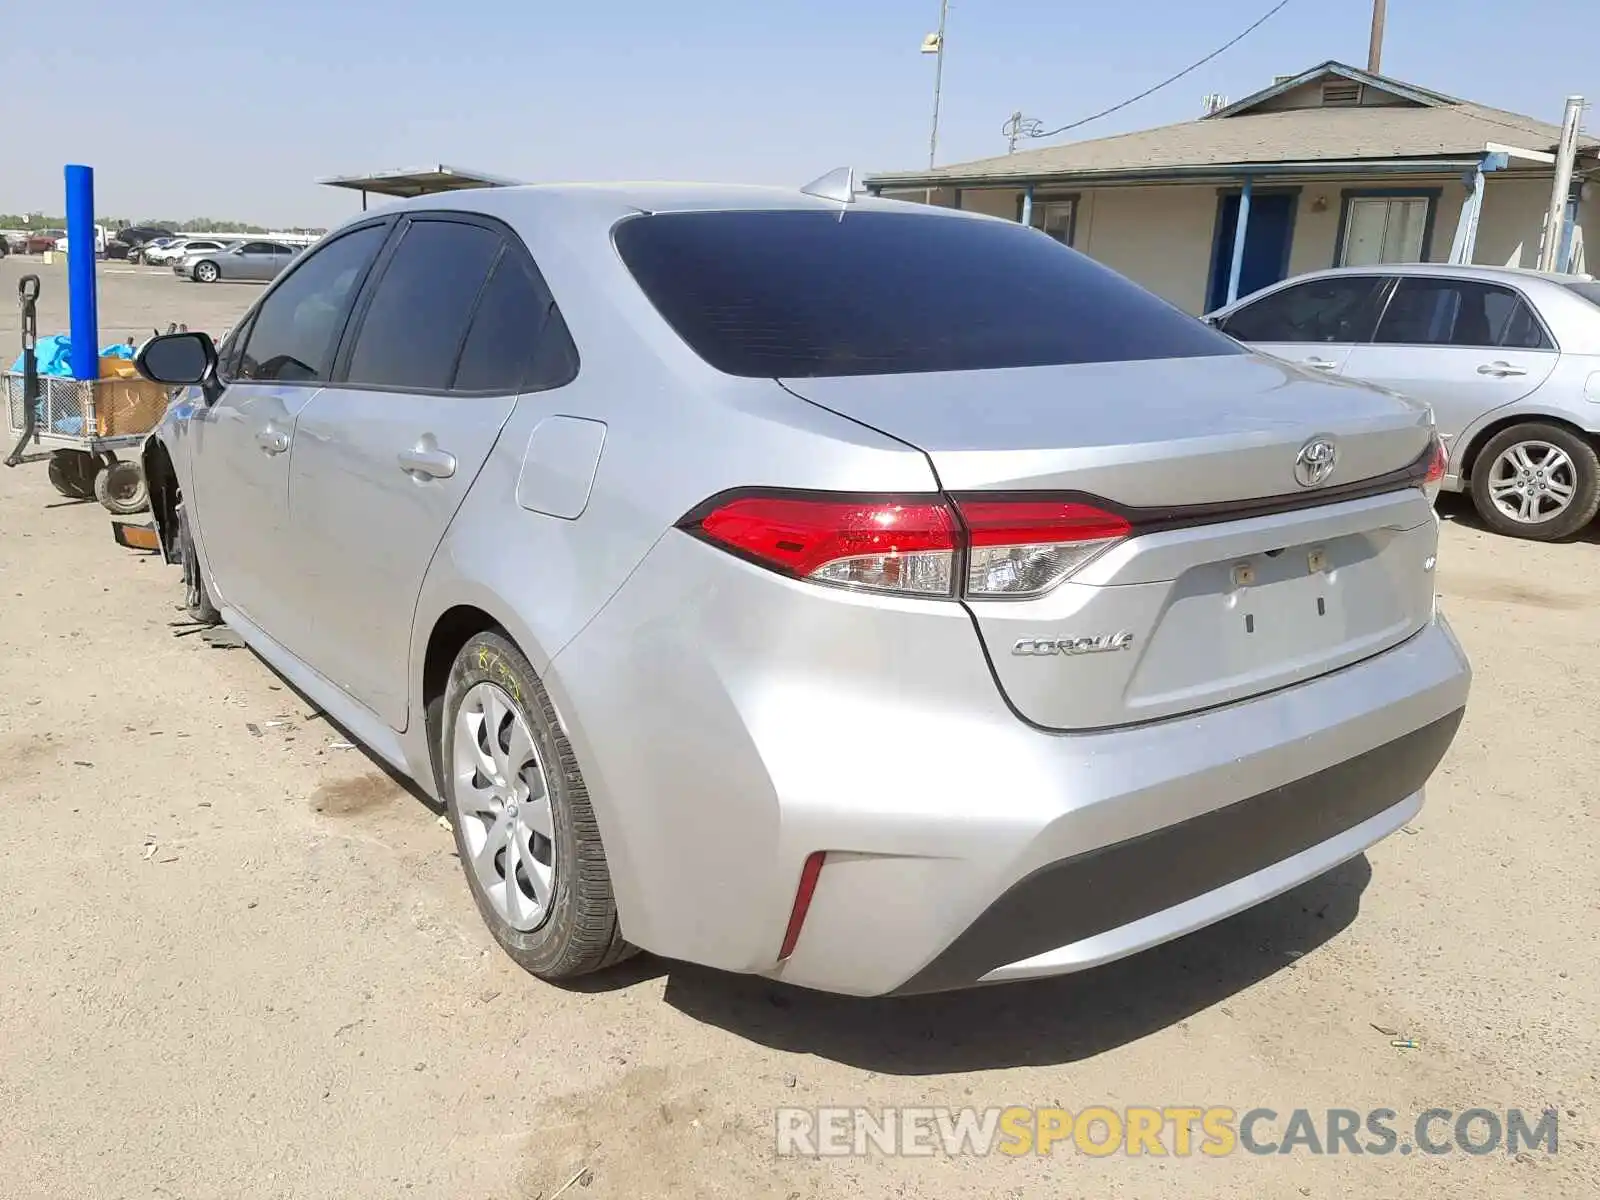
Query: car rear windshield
{"type": "Point", "coordinates": [1589, 289]}
{"type": "Point", "coordinates": [806, 293]}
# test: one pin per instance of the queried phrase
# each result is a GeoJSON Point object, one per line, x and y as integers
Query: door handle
{"type": "Point", "coordinates": [272, 441]}
{"type": "Point", "coordinates": [1321, 364]}
{"type": "Point", "coordinates": [427, 461]}
{"type": "Point", "coordinates": [1500, 370]}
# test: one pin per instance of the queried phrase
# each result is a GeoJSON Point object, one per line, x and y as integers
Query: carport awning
{"type": "Point", "coordinates": [417, 181]}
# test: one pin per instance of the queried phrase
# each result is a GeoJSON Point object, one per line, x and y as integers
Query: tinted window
{"type": "Point", "coordinates": [808, 293]}
{"type": "Point", "coordinates": [518, 341]}
{"type": "Point", "coordinates": [298, 327]}
{"type": "Point", "coordinates": [1458, 312]}
{"type": "Point", "coordinates": [257, 248]}
{"type": "Point", "coordinates": [1335, 308]}
{"type": "Point", "coordinates": [412, 330]}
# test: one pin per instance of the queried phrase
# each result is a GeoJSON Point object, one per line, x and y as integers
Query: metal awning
{"type": "Point", "coordinates": [416, 181]}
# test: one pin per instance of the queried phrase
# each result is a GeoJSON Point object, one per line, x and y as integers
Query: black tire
{"type": "Point", "coordinates": [121, 488]}
{"type": "Point", "coordinates": [196, 600]}
{"type": "Point", "coordinates": [72, 473]}
{"type": "Point", "coordinates": [1586, 481]}
{"type": "Point", "coordinates": [205, 271]}
{"type": "Point", "coordinates": [581, 933]}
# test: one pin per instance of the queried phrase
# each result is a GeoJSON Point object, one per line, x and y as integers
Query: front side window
{"type": "Point", "coordinates": [297, 328]}
{"type": "Point", "coordinates": [1384, 229]}
{"type": "Point", "coordinates": [1459, 312]}
{"type": "Point", "coordinates": [1335, 308]}
{"type": "Point", "coordinates": [809, 293]}
{"type": "Point", "coordinates": [413, 329]}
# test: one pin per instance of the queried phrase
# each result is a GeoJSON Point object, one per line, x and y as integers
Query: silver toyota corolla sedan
{"type": "Point", "coordinates": [1509, 360]}
{"type": "Point", "coordinates": [865, 595]}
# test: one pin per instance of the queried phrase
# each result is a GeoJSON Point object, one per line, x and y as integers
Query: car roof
{"type": "Point", "coordinates": [1458, 270]}
{"type": "Point", "coordinates": [616, 200]}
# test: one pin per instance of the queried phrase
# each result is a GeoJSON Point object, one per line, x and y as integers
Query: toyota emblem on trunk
{"type": "Point", "coordinates": [1316, 461]}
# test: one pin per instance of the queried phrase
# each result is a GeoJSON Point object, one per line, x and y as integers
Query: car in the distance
{"type": "Point", "coordinates": [757, 582]}
{"type": "Point", "coordinates": [45, 239]}
{"type": "Point", "coordinates": [250, 260]}
{"type": "Point", "coordinates": [176, 249]}
{"type": "Point", "coordinates": [1508, 359]}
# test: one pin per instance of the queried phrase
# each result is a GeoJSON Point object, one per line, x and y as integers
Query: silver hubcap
{"type": "Point", "coordinates": [503, 804]}
{"type": "Point", "coordinates": [207, 272]}
{"type": "Point", "coordinates": [1532, 482]}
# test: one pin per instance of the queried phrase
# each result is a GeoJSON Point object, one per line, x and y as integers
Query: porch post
{"type": "Point", "coordinates": [1466, 239]}
{"type": "Point", "coordinates": [1027, 205]}
{"type": "Point", "coordinates": [1238, 241]}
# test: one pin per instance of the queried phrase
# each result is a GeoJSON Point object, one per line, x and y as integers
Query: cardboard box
{"type": "Point", "coordinates": [128, 406]}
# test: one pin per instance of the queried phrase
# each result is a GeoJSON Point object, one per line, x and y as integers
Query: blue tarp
{"type": "Point", "coordinates": [54, 353]}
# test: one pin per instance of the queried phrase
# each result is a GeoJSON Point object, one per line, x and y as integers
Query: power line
{"type": "Point", "coordinates": [1171, 79]}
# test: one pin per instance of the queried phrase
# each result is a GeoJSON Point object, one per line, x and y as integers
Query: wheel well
{"type": "Point", "coordinates": [162, 481]}
{"type": "Point", "coordinates": [451, 631]}
{"type": "Point", "coordinates": [1488, 431]}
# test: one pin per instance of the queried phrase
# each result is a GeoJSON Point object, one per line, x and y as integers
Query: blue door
{"type": "Point", "coordinates": [1267, 235]}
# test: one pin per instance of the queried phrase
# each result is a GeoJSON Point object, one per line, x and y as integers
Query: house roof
{"type": "Point", "coordinates": [1413, 124]}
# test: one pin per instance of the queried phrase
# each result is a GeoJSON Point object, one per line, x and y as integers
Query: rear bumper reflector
{"type": "Point", "coordinates": [802, 901]}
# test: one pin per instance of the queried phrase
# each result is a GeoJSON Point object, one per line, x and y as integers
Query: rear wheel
{"type": "Point", "coordinates": [524, 829]}
{"type": "Point", "coordinates": [1536, 481]}
{"type": "Point", "coordinates": [206, 272]}
{"type": "Point", "coordinates": [121, 488]}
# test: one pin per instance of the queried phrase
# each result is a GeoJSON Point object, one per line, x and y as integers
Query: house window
{"type": "Point", "coordinates": [1384, 229]}
{"type": "Point", "coordinates": [1056, 217]}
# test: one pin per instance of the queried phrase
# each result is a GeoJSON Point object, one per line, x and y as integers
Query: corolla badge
{"type": "Point", "coordinates": [1098, 643]}
{"type": "Point", "coordinates": [1316, 461]}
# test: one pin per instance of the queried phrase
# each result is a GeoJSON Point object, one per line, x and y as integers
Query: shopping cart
{"type": "Point", "coordinates": [79, 426]}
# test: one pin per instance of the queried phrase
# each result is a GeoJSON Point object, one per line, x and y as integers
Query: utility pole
{"type": "Point", "coordinates": [1375, 45]}
{"type": "Point", "coordinates": [938, 84]}
{"type": "Point", "coordinates": [1556, 219]}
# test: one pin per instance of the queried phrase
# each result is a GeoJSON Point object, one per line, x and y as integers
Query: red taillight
{"type": "Point", "coordinates": [802, 901]}
{"type": "Point", "coordinates": [1012, 548]}
{"type": "Point", "coordinates": [882, 544]}
{"type": "Point", "coordinates": [1438, 463]}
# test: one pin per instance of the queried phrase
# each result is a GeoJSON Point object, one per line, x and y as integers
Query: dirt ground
{"type": "Point", "coordinates": [237, 960]}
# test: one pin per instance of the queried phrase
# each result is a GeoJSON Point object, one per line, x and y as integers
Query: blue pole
{"type": "Point", "coordinates": [80, 273]}
{"type": "Point", "coordinates": [1238, 241]}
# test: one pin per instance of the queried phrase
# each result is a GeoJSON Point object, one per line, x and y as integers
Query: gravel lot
{"type": "Point", "coordinates": [239, 961]}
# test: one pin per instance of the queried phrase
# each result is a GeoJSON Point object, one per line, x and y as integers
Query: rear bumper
{"type": "Point", "coordinates": [730, 724]}
{"type": "Point", "coordinates": [1117, 899]}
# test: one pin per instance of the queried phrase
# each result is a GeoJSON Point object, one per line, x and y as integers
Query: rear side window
{"type": "Point", "coordinates": [1333, 308]}
{"type": "Point", "coordinates": [297, 329]}
{"type": "Point", "coordinates": [808, 293]}
{"type": "Point", "coordinates": [518, 341]}
{"type": "Point", "coordinates": [1459, 312]}
{"type": "Point", "coordinates": [414, 326]}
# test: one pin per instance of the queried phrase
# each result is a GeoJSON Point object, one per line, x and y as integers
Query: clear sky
{"type": "Point", "coordinates": [243, 103]}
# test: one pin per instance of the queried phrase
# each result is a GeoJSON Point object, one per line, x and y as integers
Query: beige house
{"type": "Point", "coordinates": [1331, 167]}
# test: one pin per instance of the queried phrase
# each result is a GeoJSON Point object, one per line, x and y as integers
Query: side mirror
{"type": "Point", "coordinates": [178, 359]}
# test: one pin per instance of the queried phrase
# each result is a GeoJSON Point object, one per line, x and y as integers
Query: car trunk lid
{"type": "Point", "coordinates": [1236, 578]}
